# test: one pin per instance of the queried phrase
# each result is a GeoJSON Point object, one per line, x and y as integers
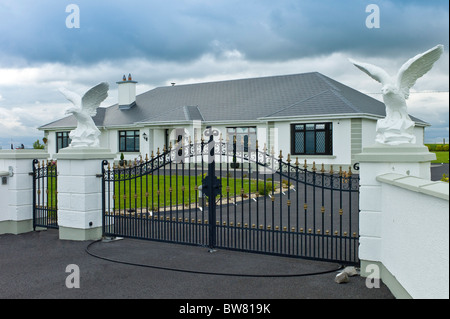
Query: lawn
{"type": "Point", "coordinates": [441, 157]}
{"type": "Point", "coordinates": [152, 191]}
{"type": "Point", "coordinates": [441, 151]}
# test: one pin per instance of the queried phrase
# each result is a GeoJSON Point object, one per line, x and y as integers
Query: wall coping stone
{"type": "Point", "coordinates": [437, 189]}
{"type": "Point", "coordinates": [403, 153]}
{"type": "Point", "coordinates": [23, 154]}
{"type": "Point", "coordinates": [84, 153]}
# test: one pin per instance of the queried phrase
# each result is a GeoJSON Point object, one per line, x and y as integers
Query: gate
{"type": "Point", "coordinates": [45, 207]}
{"type": "Point", "coordinates": [225, 195]}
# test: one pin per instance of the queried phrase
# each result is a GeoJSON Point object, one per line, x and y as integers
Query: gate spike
{"type": "Point", "coordinates": [340, 171]}
{"type": "Point", "coordinates": [296, 162]}
{"type": "Point", "coordinates": [256, 145]}
{"type": "Point", "coordinates": [305, 166]}
{"type": "Point", "coordinates": [314, 167]}
{"type": "Point", "coordinates": [331, 169]}
{"type": "Point", "coordinates": [350, 171]}
{"type": "Point", "coordinates": [281, 155]}
{"type": "Point", "coordinates": [323, 169]}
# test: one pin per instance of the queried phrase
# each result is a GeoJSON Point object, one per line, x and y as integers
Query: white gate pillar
{"type": "Point", "coordinates": [16, 189]}
{"type": "Point", "coordinates": [379, 159]}
{"type": "Point", "coordinates": [80, 192]}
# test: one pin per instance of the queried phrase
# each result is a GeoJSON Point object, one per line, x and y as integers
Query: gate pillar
{"type": "Point", "coordinates": [379, 159]}
{"type": "Point", "coordinates": [16, 189]}
{"type": "Point", "coordinates": [80, 192]}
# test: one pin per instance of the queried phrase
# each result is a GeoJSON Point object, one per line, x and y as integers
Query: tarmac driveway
{"type": "Point", "coordinates": [33, 265]}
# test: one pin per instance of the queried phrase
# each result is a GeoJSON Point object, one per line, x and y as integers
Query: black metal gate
{"type": "Point", "coordinates": [224, 195]}
{"type": "Point", "coordinates": [45, 206]}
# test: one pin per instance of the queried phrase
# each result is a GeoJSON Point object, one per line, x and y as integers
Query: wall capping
{"type": "Point", "coordinates": [437, 189]}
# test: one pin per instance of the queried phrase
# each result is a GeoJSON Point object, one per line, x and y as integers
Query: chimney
{"type": "Point", "coordinates": [127, 93]}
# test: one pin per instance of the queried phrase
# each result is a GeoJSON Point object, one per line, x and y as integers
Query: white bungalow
{"type": "Point", "coordinates": [309, 116]}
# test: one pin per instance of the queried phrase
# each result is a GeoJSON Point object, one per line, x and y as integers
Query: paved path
{"type": "Point", "coordinates": [33, 265]}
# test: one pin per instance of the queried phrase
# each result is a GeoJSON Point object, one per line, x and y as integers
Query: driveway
{"type": "Point", "coordinates": [437, 170]}
{"type": "Point", "coordinates": [33, 265]}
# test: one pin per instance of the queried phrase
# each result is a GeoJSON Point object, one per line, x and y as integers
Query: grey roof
{"type": "Point", "coordinates": [296, 95]}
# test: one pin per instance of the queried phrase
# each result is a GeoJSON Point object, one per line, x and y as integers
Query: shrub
{"type": "Point", "coordinates": [439, 147]}
{"type": "Point", "coordinates": [444, 178]}
{"type": "Point", "coordinates": [265, 190]}
{"type": "Point", "coordinates": [445, 147]}
{"type": "Point", "coordinates": [431, 147]}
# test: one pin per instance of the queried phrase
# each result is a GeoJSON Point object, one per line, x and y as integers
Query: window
{"type": "Point", "coordinates": [246, 133]}
{"type": "Point", "coordinates": [128, 141]}
{"type": "Point", "coordinates": [311, 139]}
{"type": "Point", "coordinates": [62, 140]}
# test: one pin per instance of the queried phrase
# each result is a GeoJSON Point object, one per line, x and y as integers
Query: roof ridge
{"type": "Point", "coordinates": [345, 100]}
{"type": "Point", "coordinates": [233, 80]}
{"type": "Point", "coordinates": [326, 80]}
{"type": "Point", "coordinates": [296, 103]}
{"type": "Point", "coordinates": [187, 112]}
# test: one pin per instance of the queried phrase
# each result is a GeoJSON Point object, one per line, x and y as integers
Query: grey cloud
{"type": "Point", "coordinates": [35, 32]}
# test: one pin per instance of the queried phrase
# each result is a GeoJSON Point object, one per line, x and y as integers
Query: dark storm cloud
{"type": "Point", "coordinates": [35, 31]}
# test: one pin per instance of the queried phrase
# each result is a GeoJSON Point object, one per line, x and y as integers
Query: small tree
{"type": "Point", "coordinates": [37, 145]}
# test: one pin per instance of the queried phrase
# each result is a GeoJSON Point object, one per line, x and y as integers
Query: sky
{"type": "Point", "coordinates": [48, 44]}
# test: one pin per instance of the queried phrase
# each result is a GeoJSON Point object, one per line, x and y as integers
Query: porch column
{"type": "Point", "coordinates": [80, 192]}
{"type": "Point", "coordinates": [16, 189]}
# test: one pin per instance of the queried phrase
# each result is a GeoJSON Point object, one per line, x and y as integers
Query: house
{"type": "Point", "coordinates": [309, 116]}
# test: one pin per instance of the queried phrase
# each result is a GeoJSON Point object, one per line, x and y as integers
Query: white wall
{"type": "Point", "coordinates": [341, 142]}
{"type": "Point", "coordinates": [368, 132]}
{"type": "Point", "coordinates": [415, 234]}
{"type": "Point", "coordinates": [16, 198]}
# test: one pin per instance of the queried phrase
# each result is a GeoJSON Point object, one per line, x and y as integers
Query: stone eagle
{"type": "Point", "coordinates": [397, 127]}
{"type": "Point", "coordinates": [84, 108]}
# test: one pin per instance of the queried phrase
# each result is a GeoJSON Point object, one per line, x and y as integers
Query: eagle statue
{"type": "Point", "coordinates": [397, 127]}
{"type": "Point", "coordinates": [84, 108]}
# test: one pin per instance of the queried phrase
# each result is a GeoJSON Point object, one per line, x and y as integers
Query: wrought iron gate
{"type": "Point", "coordinates": [222, 195]}
{"type": "Point", "coordinates": [45, 207]}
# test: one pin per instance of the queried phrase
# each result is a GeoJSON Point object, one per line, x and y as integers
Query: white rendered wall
{"type": "Point", "coordinates": [341, 142]}
{"type": "Point", "coordinates": [415, 238]}
{"type": "Point", "coordinates": [16, 197]}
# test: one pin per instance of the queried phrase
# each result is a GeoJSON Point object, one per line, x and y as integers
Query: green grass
{"type": "Point", "coordinates": [441, 151]}
{"type": "Point", "coordinates": [441, 157]}
{"type": "Point", "coordinates": [158, 191]}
